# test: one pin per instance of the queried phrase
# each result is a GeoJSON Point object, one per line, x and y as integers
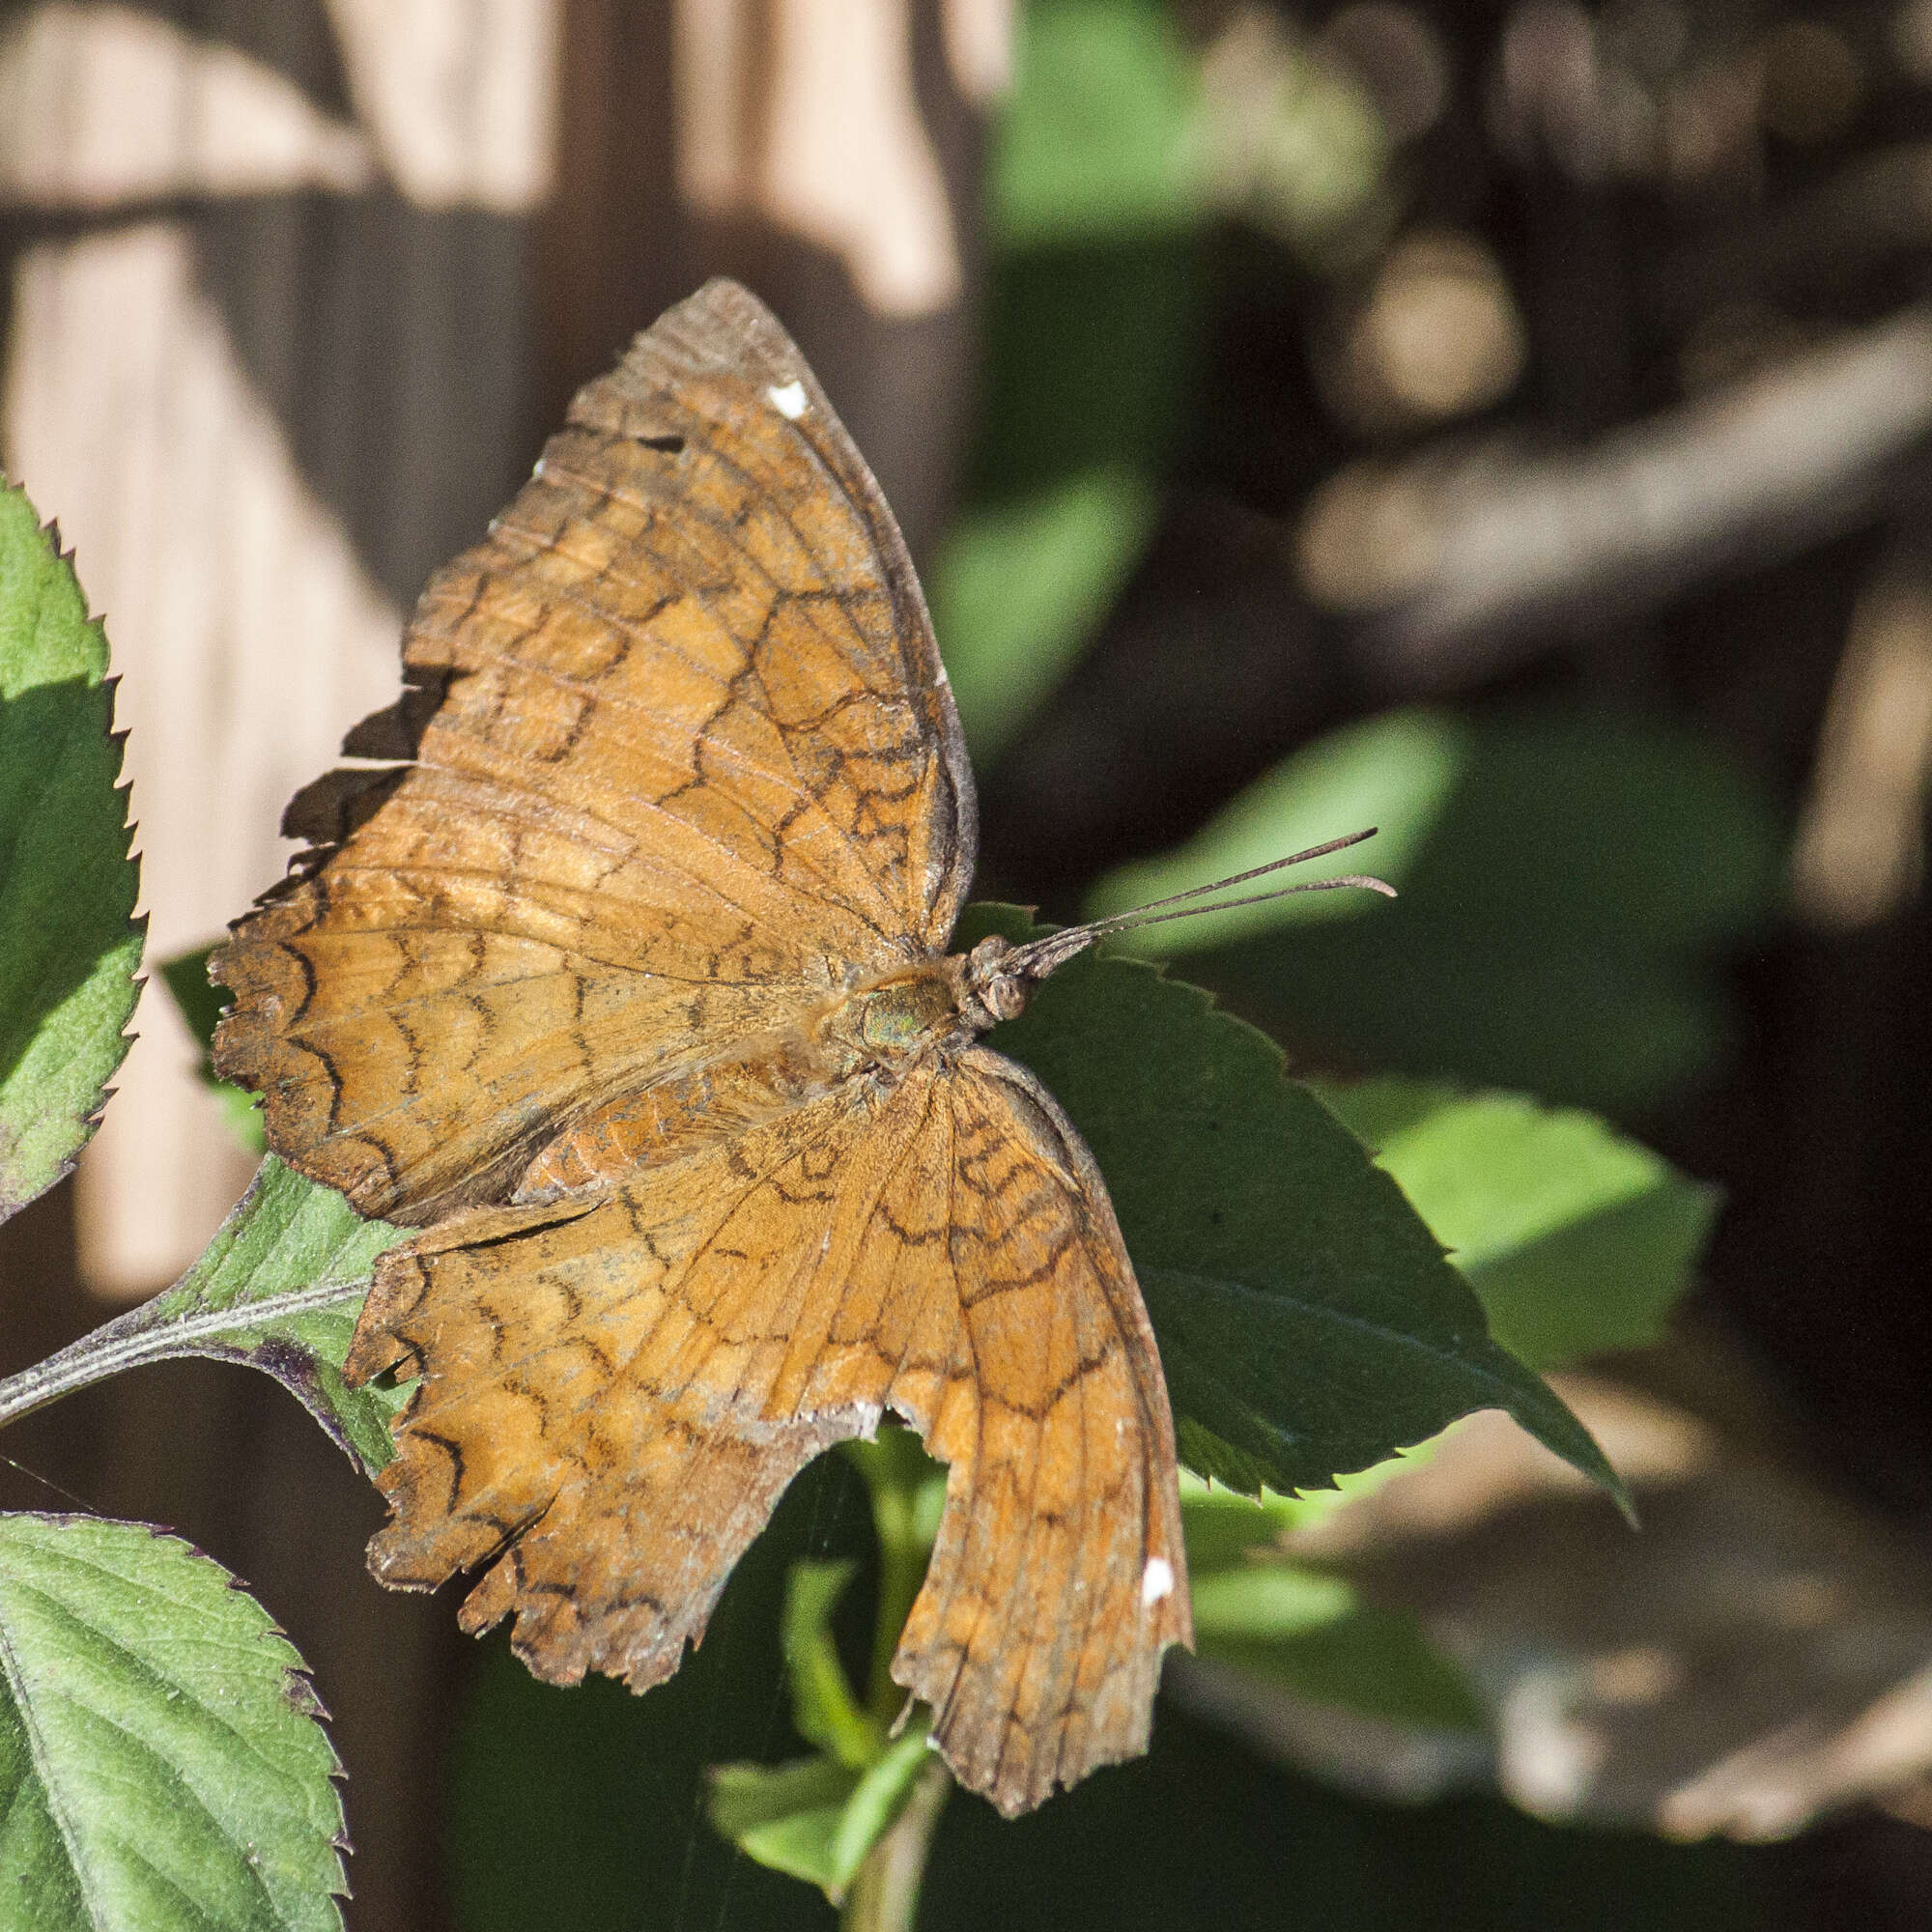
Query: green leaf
{"type": "Point", "coordinates": [278, 1289]}
{"type": "Point", "coordinates": [198, 998]}
{"type": "Point", "coordinates": [1575, 1238]}
{"type": "Point", "coordinates": [1397, 773]}
{"type": "Point", "coordinates": [1307, 1319]}
{"type": "Point", "coordinates": [747, 1797]}
{"type": "Point", "coordinates": [1021, 587]}
{"type": "Point", "coordinates": [69, 943]}
{"type": "Point", "coordinates": [823, 1708]}
{"type": "Point", "coordinates": [1225, 1526]}
{"type": "Point", "coordinates": [1305, 1630]}
{"type": "Point", "coordinates": [1092, 358]}
{"type": "Point", "coordinates": [878, 1799]}
{"type": "Point", "coordinates": [1313, 1634]}
{"type": "Point", "coordinates": [907, 1488]}
{"type": "Point", "coordinates": [201, 1003]}
{"type": "Point", "coordinates": [161, 1762]}
{"type": "Point", "coordinates": [1366, 1659]}
{"type": "Point", "coordinates": [1100, 134]}
{"type": "Point", "coordinates": [1565, 877]}
{"type": "Point", "coordinates": [1095, 326]}
{"type": "Point", "coordinates": [1268, 1600]}
{"type": "Point", "coordinates": [784, 1816]}
{"type": "Point", "coordinates": [817, 1819]}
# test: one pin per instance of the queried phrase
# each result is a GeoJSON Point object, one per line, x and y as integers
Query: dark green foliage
{"type": "Point", "coordinates": [1565, 876]}
{"type": "Point", "coordinates": [1308, 1322]}
{"type": "Point", "coordinates": [1200, 1834]}
{"type": "Point", "coordinates": [201, 1003]}
{"type": "Point", "coordinates": [594, 1815]}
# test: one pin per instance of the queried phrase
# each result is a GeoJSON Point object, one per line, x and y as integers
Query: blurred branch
{"type": "Point", "coordinates": [1880, 205]}
{"type": "Point", "coordinates": [1860, 855]}
{"type": "Point", "coordinates": [1467, 564]}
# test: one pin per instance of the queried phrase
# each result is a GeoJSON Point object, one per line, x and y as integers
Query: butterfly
{"type": "Point", "coordinates": [624, 981]}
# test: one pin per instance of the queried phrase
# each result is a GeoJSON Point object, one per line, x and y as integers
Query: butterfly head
{"type": "Point", "coordinates": [997, 979]}
{"type": "Point", "coordinates": [994, 984]}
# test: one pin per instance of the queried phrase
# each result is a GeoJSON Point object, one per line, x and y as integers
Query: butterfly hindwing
{"type": "Point", "coordinates": [1058, 1577]}
{"type": "Point", "coordinates": [612, 1404]}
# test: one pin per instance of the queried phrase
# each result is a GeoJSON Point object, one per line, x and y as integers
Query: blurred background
{"type": "Point", "coordinates": [1507, 423]}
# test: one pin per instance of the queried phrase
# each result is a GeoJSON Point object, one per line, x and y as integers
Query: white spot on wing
{"type": "Point", "coordinates": [789, 401]}
{"type": "Point", "coordinates": [1156, 1582]}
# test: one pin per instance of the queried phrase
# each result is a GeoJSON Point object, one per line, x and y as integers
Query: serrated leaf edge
{"type": "Point", "coordinates": [298, 1690]}
{"type": "Point", "coordinates": [108, 682]}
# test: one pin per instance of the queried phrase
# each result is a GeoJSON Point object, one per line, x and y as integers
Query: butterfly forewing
{"type": "Point", "coordinates": [693, 755]}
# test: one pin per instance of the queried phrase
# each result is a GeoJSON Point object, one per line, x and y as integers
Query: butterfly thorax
{"type": "Point", "coordinates": [901, 1016]}
{"type": "Point", "coordinates": [868, 1036]}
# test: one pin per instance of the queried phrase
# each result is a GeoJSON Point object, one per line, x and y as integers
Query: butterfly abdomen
{"type": "Point", "coordinates": [689, 1109]}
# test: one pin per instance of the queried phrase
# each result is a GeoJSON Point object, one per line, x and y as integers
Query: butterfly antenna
{"type": "Point", "coordinates": [80, 1503]}
{"type": "Point", "coordinates": [1041, 956]}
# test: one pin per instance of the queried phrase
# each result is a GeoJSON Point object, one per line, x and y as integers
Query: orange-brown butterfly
{"type": "Point", "coordinates": [628, 986]}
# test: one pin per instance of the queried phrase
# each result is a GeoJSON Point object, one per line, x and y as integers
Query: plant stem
{"type": "Point", "coordinates": [906, 1486]}
{"type": "Point", "coordinates": [902, 1561]}
{"type": "Point", "coordinates": [147, 1334]}
{"type": "Point", "coordinates": [901, 1479]}
{"type": "Point", "coordinates": [884, 1893]}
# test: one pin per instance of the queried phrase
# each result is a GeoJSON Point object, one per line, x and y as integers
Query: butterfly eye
{"type": "Point", "coordinates": [1006, 999]}
{"type": "Point", "coordinates": [992, 982]}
